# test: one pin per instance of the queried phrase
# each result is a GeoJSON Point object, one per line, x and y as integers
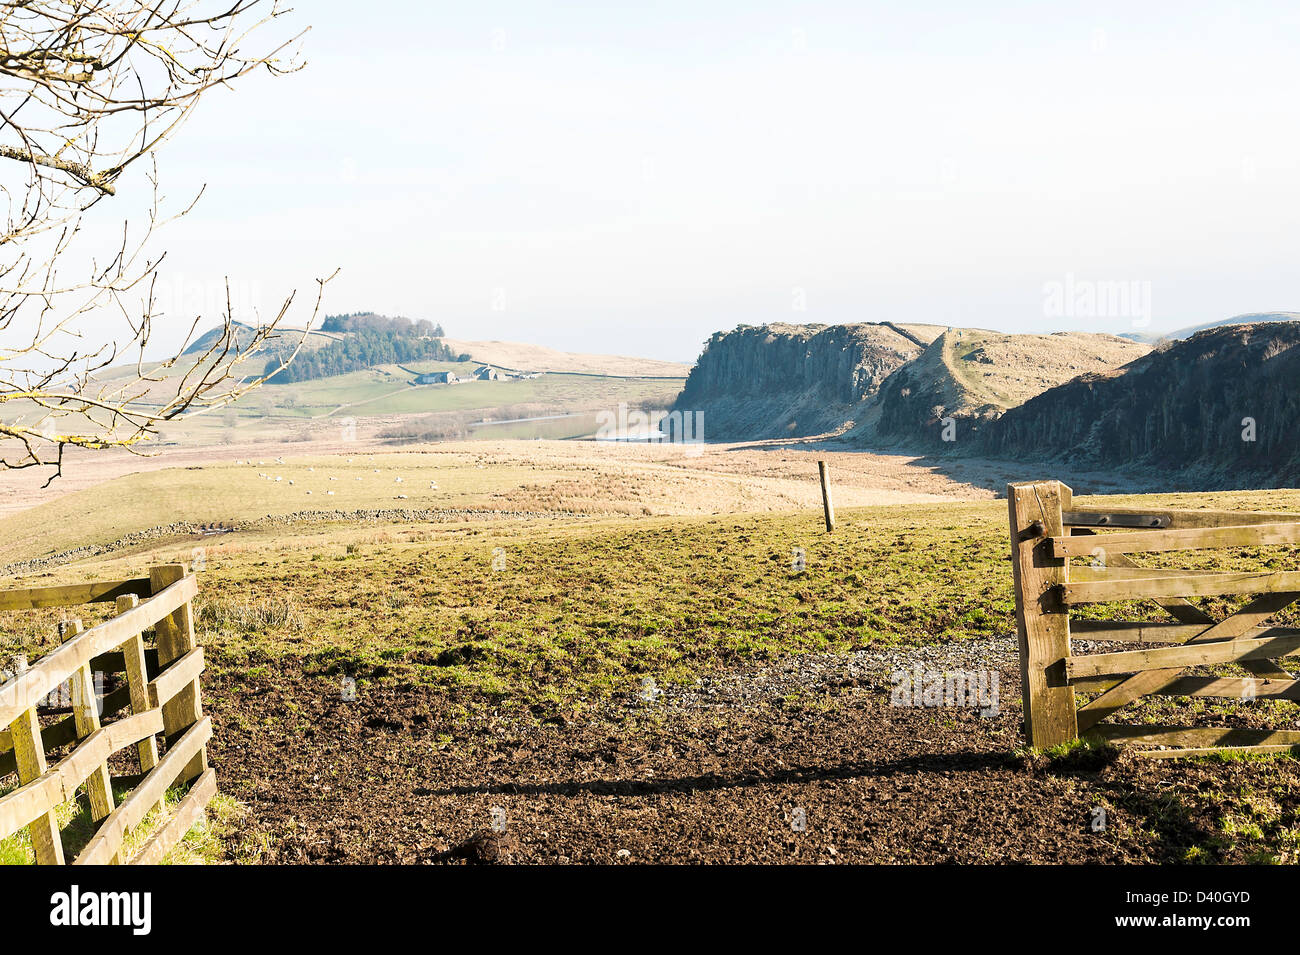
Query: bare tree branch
{"type": "Point", "coordinates": [87, 89]}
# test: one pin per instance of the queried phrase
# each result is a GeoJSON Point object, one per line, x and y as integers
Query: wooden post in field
{"type": "Point", "coordinates": [175, 639]}
{"type": "Point", "coordinates": [826, 498]}
{"type": "Point", "coordinates": [1042, 620]}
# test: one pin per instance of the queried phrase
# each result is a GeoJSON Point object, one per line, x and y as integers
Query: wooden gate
{"type": "Point", "coordinates": [160, 695]}
{"type": "Point", "coordinates": [1048, 531]}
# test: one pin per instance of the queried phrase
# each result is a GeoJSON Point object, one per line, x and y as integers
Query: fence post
{"type": "Point", "coordinates": [175, 639]}
{"type": "Point", "coordinates": [137, 682]}
{"type": "Point", "coordinates": [29, 754]}
{"type": "Point", "coordinates": [85, 717]}
{"type": "Point", "coordinates": [827, 507]}
{"type": "Point", "coordinates": [1042, 621]}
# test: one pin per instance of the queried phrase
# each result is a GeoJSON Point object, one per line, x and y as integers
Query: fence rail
{"type": "Point", "coordinates": [159, 695]}
{"type": "Point", "coordinates": [1048, 531]}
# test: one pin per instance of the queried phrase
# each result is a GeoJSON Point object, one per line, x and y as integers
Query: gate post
{"type": "Point", "coordinates": [1042, 620]}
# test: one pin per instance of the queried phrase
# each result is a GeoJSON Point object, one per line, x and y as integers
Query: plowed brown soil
{"type": "Point", "coordinates": [393, 778]}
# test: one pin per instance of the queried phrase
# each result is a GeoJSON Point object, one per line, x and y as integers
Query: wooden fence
{"type": "Point", "coordinates": [1048, 530]}
{"type": "Point", "coordinates": [159, 695]}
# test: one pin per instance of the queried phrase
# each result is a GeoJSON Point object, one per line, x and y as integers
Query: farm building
{"type": "Point", "coordinates": [437, 378]}
{"type": "Point", "coordinates": [488, 374]}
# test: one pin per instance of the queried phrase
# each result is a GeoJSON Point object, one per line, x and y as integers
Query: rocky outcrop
{"type": "Point", "coordinates": [790, 380]}
{"type": "Point", "coordinates": [971, 377]}
{"type": "Point", "coordinates": [1221, 410]}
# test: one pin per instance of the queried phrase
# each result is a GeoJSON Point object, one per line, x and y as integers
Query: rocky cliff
{"type": "Point", "coordinates": [792, 380]}
{"type": "Point", "coordinates": [1221, 408]}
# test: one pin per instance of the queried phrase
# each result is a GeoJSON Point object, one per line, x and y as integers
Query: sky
{"type": "Point", "coordinates": [629, 179]}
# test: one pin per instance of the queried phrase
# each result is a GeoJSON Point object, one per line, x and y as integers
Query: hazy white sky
{"type": "Point", "coordinates": [617, 178]}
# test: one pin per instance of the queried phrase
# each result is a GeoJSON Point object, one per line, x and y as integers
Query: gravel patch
{"type": "Point", "coordinates": [871, 669]}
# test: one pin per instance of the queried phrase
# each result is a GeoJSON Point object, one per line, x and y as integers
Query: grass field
{"type": "Point", "coordinates": [583, 609]}
{"type": "Point", "coordinates": [387, 390]}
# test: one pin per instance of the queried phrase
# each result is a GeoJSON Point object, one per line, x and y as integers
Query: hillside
{"type": "Point", "coordinates": [1180, 408]}
{"type": "Point", "coordinates": [521, 356]}
{"type": "Point", "coordinates": [285, 336]}
{"type": "Point", "coordinates": [780, 380]}
{"type": "Point", "coordinates": [363, 373]}
{"type": "Point", "coordinates": [973, 375]}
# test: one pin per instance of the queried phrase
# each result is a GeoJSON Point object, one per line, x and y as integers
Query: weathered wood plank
{"type": "Point", "coordinates": [108, 840]}
{"type": "Point", "coordinates": [1178, 519]}
{"type": "Point", "coordinates": [1194, 538]}
{"type": "Point", "coordinates": [1184, 611]}
{"type": "Point", "coordinates": [1233, 628]}
{"type": "Point", "coordinates": [187, 814]}
{"type": "Point", "coordinates": [1222, 687]}
{"type": "Point", "coordinates": [175, 639]}
{"type": "Point", "coordinates": [1178, 584]}
{"type": "Point", "coordinates": [1042, 622]}
{"type": "Point", "coordinates": [85, 717]}
{"type": "Point", "coordinates": [57, 785]}
{"type": "Point", "coordinates": [47, 841]}
{"type": "Point", "coordinates": [1145, 631]}
{"type": "Point", "coordinates": [175, 677]}
{"type": "Point", "coordinates": [1090, 572]}
{"type": "Point", "coordinates": [1178, 657]}
{"type": "Point", "coordinates": [1187, 612]}
{"type": "Point", "coordinates": [1212, 751]}
{"type": "Point", "coordinates": [1108, 518]}
{"type": "Point", "coordinates": [37, 681]}
{"type": "Point", "coordinates": [137, 670]}
{"type": "Point", "coordinates": [1204, 736]}
{"type": "Point", "coordinates": [64, 731]}
{"type": "Point", "coordinates": [68, 595]}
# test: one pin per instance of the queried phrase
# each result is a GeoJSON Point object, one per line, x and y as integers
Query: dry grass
{"type": "Point", "coordinates": [524, 357]}
{"type": "Point", "coordinates": [240, 614]}
{"type": "Point", "coordinates": [571, 476]}
{"type": "Point", "coordinates": [1008, 370]}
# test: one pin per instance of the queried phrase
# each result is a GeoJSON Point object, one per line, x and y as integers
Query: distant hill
{"type": "Point", "coordinates": [342, 344]}
{"type": "Point", "coordinates": [367, 341]}
{"type": "Point", "coordinates": [283, 337]}
{"type": "Point", "coordinates": [1250, 318]}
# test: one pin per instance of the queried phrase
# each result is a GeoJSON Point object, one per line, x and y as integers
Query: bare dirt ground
{"type": "Point", "coordinates": [804, 761]}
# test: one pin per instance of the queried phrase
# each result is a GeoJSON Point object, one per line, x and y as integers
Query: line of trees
{"type": "Point", "coordinates": [363, 348]}
{"type": "Point", "coordinates": [369, 321]}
